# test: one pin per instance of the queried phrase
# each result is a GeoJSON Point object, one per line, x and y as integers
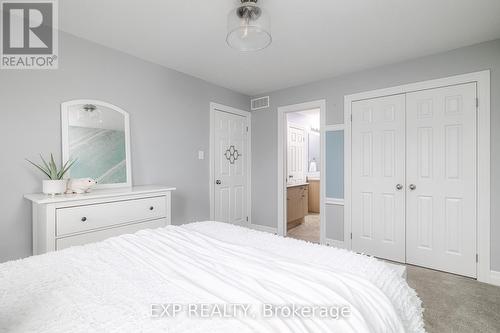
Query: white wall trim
{"type": "Point", "coordinates": [347, 173]}
{"type": "Point", "coordinates": [219, 107]}
{"type": "Point", "coordinates": [281, 184]}
{"type": "Point", "coordinates": [263, 228]}
{"type": "Point", "coordinates": [334, 201]}
{"type": "Point", "coordinates": [333, 128]}
{"type": "Point", "coordinates": [482, 79]}
{"type": "Point", "coordinates": [322, 183]}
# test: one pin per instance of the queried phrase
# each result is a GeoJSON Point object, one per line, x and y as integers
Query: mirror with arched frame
{"type": "Point", "coordinates": [97, 135]}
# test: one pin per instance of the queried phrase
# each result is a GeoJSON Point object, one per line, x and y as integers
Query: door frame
{"type": "Point", "coordinates": [482, 79]}
{"type": "Point", "coordinates": [282, 171]}
{"type": "Point", "coordinates": [228, 109]}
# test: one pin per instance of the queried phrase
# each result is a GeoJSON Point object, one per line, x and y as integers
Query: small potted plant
{"type": "Point", "coordinates": [55, 184]}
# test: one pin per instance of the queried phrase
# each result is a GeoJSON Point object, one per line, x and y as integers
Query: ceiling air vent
{"type": "Point", "coordinates": [259, 103]}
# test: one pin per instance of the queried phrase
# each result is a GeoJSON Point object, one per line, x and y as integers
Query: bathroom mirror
{"type": "Point", "coordinates": [97, 135]}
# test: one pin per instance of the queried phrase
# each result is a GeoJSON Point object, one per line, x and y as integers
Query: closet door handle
{"type": "Point", "coordinates": [412, 187]}
{"type": "Point", "coordinates": [399, 187]}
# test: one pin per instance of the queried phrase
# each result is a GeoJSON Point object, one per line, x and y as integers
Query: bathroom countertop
{"type": "Point", "coordinates": [296, 184]}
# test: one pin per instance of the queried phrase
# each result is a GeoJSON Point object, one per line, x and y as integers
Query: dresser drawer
{"type": "Point", "coordinates": [84, 218]}
{"type": "Point", "coordinates": [97, 236]}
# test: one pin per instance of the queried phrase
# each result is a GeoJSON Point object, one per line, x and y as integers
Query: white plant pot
{"type": "Point", "coordinates": [54, 186]}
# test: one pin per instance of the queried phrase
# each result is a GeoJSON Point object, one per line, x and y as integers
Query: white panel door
{"type": "Point", "coordinates": [230, 168]}
{"type": "Point", "coordinates": [378, 196]}
{"type": "Point", "coordinates": [296, 154]}
{"type": "Point", "coordinates": [441, 179]}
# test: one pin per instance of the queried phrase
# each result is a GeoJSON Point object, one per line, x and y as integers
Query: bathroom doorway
{"type": "Point", "coordinates": [301, 191]}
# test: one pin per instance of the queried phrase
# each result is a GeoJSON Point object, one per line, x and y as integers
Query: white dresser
{"type": "Point", "coordinates": [74, 219]}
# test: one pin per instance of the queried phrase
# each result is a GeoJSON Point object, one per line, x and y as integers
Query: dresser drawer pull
{"type": "Point", "coordinates": [151, 208]}
{"type": "Point", "coordinates": [84, 219]}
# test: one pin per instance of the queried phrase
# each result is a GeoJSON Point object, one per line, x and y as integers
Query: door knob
{"type": "Point", "coordinates": [218, 182]}
{"type": "Point", "coordinates": [399, 187]}
{"type": "Point", "coordinates": [412, 187]}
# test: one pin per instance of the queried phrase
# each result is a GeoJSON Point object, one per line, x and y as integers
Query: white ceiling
{"type": "Point", "coordinates": [312, 39]}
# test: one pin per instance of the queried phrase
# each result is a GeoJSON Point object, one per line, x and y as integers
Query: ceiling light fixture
{"type": "Point", "coordinates": [89, 107]}
{"type": "Point", "coordinates": [248, 27]}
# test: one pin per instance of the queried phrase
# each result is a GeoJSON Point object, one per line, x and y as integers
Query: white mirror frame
{"type": "Point", "coordinates": [65, 137]}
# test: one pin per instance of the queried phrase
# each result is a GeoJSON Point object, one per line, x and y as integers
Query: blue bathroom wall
{"type": "Point", "coordinates": [334, 164]}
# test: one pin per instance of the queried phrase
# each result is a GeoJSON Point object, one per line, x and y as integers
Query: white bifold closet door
{"type": "Point", "coordinates": [441, 179]}
{"type": "Point", "coordinates": [378, 174]}
{"type": "Point", "coordinates": [414, 178]}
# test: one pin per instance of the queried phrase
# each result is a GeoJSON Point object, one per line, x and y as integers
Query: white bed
{"type": "Point", "coordinates": [111, 286]}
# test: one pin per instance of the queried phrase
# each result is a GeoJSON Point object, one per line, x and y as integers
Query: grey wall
{"type": "Point", "coordinates": [264, 122]}
{"type": "Point", "coordinates": [334, 165]}
{"type": "Point", "coordinates": [169, 114]}
{"type": "Point", "coordinates": [335, 231]}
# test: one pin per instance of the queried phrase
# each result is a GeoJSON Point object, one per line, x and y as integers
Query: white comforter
{"type": "Point", "coordinates": [111, 286]}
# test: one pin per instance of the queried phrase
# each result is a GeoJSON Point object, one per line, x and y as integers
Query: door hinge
{"type": "Point", "coordinates": [477, 258]}
{"type": "Point", "coordinates": [247, 128]}
{"type": "Point", "coordinates": [351, 235]}
{"type": "Point", "coordinates": [351, 117]}
{"type": "Point", "coordinates": [247, 218]}
{"type": "Point", "coordinates": [477, 103]}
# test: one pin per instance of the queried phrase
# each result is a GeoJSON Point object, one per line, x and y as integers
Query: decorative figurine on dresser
{"type": "Point", "coordinates": [96, 146]}
{"type": "Point", "coordinates": [80, 185]}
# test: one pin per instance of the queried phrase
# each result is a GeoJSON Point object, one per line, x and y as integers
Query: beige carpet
{"type": "Point", "coordinates": [454, 303]}
{"type": "Point", "coordinates": [308, 231]}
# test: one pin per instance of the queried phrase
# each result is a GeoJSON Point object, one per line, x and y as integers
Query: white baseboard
{"type": "Point", "coordinates": [335, 243]}
{"type": "Point", "coordinates": [494, 278]}
{"type": "Point", "coordinates": [263, 228]}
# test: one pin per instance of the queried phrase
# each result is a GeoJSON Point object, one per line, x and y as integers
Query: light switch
{"type": "Point", "coordinates": [201, 155]}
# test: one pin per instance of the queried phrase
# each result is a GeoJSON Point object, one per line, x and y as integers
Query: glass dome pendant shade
{"type": "Point", "coordinates": [248, 27]}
